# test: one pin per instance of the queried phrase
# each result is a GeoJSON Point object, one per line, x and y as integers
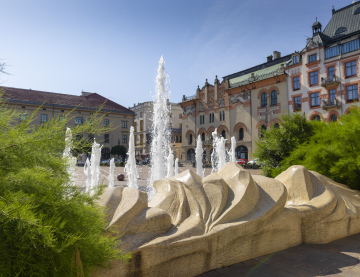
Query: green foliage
{"type": "Point", "coordinates": [119, 150]}
{"type": "Point", "coordinates": [48, 226]}
{"type": "Point", "coordinates": [278, 143]}
{"type": "Point", "coordinates": [334, 150]}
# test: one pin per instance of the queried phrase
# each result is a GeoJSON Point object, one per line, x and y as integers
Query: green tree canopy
{"type": "Point", "coordinates": [49, 227]}
{"type": "Point", "coordinates": [278, 143]}
{"type": "Point", "coordinates": [119, 150]}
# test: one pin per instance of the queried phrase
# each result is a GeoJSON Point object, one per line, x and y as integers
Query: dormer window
{"type": "Point", "coordinates": [357, 11]}
{"type": "Point", "coordinates": [340, 31]}
{"type": "Point", "coordinates": [295, 59]}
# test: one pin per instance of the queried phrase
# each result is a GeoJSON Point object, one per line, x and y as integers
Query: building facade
{"type": "Point", "coordinates": [324, 76]}
{"type": "Point", "coordinates": [242, 105]}
{"type": "Point", "coordinates": [55, 105]}
{"type": "Point", "coordinates": [143, 124]}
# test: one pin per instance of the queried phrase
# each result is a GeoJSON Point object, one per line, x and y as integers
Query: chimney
{"type": "Point", "coordinates": [277, 55]}
{"type": "Point", "coordinates": [269, 58]}
{"type": "Point", "coordinates": [84, 93]}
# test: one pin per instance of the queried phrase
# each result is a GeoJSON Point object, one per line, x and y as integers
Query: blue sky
{"type": "Point", "coordinates": [113, 47]}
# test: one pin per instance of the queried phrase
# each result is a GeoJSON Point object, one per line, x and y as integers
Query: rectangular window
{"type": "Point", "coordinates": [314, 78]}
{"type": "Point", "coordinates": [352, 92]}
{"type": "Point", "coordinates": [212, 117]}
{"type": "Point", "coordinates": [209, 117]}
{"type": "Point", "coordinates": [297, 103]}
{"type": "Point", "coordinates": [315, 99]}
{"type": "Point", "coordinates": [312, 58]}
{"type": "Point", "coordinates": [141, 125]}
{"type": "Point", "coordinates": [79, 120]}
{"type": "Point", "coordinates": [124, 138]}
{"type": "Point", "coordinates": [124, 124]}
{"type": "Point", "coordinates": [106, 122]}
{"type": "Point", "coordinates": [180, 125]}
{"type": "Point", "coordinates": [350, 46]}
{"type": "Point", "coordinates": [331, 73]}
{"type": "Point", "coordinates": [350, 68]}
{"type": "Point", "coordinates": [140, 114]}
{"type": "Point", "coordinates": [296, 82]}
{"type": "Point", "coordinates": [295, 59]}
{"type": "Point", "coordinates": [141, 139]}
{"type": "Point", "coordinates": [223, 115]}
{"type": "Point", "coordinates": [23, 117]}
{"type": "Point", "coordinates": [135, 125]}
{"type": "Point", "coordinates": [106, 138]}
{"type": "Point", "coordinates": [43, 118]}
{"type": "Point", "coordinates": [220, 115]}
{"type": "Point", "coordinates": [332, 97]}
{"type": "Point", "coordinates": [61, 118]}
{"type": "Point", "coordinates": [332, 52]}
{"type": "Point", "coordinates": [180, 115]}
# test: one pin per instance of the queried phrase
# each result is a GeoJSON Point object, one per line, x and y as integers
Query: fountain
{"type": "Point", "coordinates": [95, 167]}
{"type": "Point", "coordinates": [218, 156]}
{"type": "Point", "coordinates": [130, 167]}
{"type": "Point", "coordinates": [70, 160]}
{"type": "Point", "coordinates": [87, 171]}
{"type": "Point", "coordinates": [232, 150]}
{"type": "Point", "coordinates": [198, 156]}
{"type": "Point", "coordinates": [111, 173]}
{"type": "Point", "coordinates": [176, 166]}
{"type": "Point", "coordinates": [160, 130]}
{"type": "Point", "coordinates": [170, 164]}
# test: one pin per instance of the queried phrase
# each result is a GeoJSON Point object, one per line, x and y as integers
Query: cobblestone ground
{"type": "Point", "coordinates": [338, 258]}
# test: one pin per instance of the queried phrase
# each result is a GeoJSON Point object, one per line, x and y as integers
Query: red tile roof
{"type": "Point", "coordinates": [86, 100]}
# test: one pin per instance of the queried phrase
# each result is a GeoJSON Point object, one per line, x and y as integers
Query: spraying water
{"type": "Point", "coordinates": [70, 160]}
{"type": "Point", "coordinates": [198, 156]}
{"type": "Point", "coordinates": [232, 151]}
{"type": "Point", "coordinates": [95, 166]}
{"type": "Point", "coordinates": [160, 130]}
{"type": "Point", "coordinates": [87, 171]}
{"type": "Point", "coordinates": [130, 167]}
{"type": "Point", "coordinates": [170, 164]}
{"type": "Point", "coordinates": [176, 166]}
{"type": "Point", "coordinates": [218, 156]}
{"type": "Point", "coordinates": [111, 173]}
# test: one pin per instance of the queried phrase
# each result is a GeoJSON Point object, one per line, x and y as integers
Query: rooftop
{"type": "Point", "coordinates": [87, 100]}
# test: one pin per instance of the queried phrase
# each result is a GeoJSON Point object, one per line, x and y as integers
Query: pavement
{"type": "Point", "coordinates": [338, 258]}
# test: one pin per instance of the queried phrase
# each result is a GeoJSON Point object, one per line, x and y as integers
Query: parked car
{"type": "Point", "coordinates": [243, 162]}
{"type": "Point", "coordinates": [254, 163]}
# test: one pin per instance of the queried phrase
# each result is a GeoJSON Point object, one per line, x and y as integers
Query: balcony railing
{"type": "Point", "coordinates": [330, 81]}
{"type": "Point", "coordinates": [332, 103]}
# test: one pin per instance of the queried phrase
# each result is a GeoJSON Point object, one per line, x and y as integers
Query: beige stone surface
{"type": "Point", "coordinates": [196, 224]}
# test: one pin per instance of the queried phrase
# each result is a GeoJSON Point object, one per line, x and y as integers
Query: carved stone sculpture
{"type": "Point", "coordinates": [195, 224]}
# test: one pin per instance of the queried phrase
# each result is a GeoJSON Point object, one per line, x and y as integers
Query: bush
{"type": "Point", "coordinates": [48, 227]}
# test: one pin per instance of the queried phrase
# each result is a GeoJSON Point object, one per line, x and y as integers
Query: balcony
{"type": "Point", "coordinates": [333, 103]}
{"type": "Point", "coordinates": [330, 81]}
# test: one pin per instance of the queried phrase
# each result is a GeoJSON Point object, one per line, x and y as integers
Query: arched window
{"type": "Point", "coordinates": [190, 139]}
{"type": "Point", "coordinates": [262, 129]}
{"type": "Point", "coordinates": [273, 98]}
{"type": "Point", "coordinates": [241, 152]}
{"type": "Point", "coordinates": [263, 99]}
{"type": "Point", "coordinates": [340, 30]}
{"type": "Point", "coordinates": [190, 155]}
{"type": "Point", "coordinates": [316, 118]}
{"type": "Point", "coordinates": [241, 133]}
{"type": "Point", "coordinates": [276, 125]}
{"type": "Point", "coordinates": [223, 134]}
{"type": "Point", "coordinates": [203, 136]}
{"type": "Point", "coordinates": [334, 118]}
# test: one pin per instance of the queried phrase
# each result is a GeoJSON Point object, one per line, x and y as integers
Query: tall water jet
{"type": "Point", "coordinates": [160, 130]}
{"type": "Point", "coordinates": [70, 160]}
{"type": "Point", "coordinates": [176, 166]}
{"type": "Point", "coordinates": [111, 173]}
{"type": "Point", "coordinates": [218, 156]}
{"type": "Point", "coordinates": [170, 164]}
{"type": "Point", "coordinates": [95, 166]}
{"type": "Point", "coordinates": [130, 167]}
{"type": "Point", "coordinates": [87, 171]}
{"type": "Point", "coordinates": [232, 150]}
{"type": "Point", "coordinates": [198, 157]}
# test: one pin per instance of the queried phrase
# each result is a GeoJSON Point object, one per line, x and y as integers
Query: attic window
{"type": "Point", "coordinates": [357, 11]}
{"type": "Point", "coordinates": [340, 30]}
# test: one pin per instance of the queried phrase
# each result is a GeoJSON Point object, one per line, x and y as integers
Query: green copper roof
{"type": "Point", "coordinates": [259, 75]}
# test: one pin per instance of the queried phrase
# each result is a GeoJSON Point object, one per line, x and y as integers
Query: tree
{"type": "Point", "coordinates": [48, 226]}
{"type": "Point", "coordinates": [333, 150]}
{"type": "Point", "coordinates": [119, 150]}
{"type": "Point", "coordinates": [278, 143]}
